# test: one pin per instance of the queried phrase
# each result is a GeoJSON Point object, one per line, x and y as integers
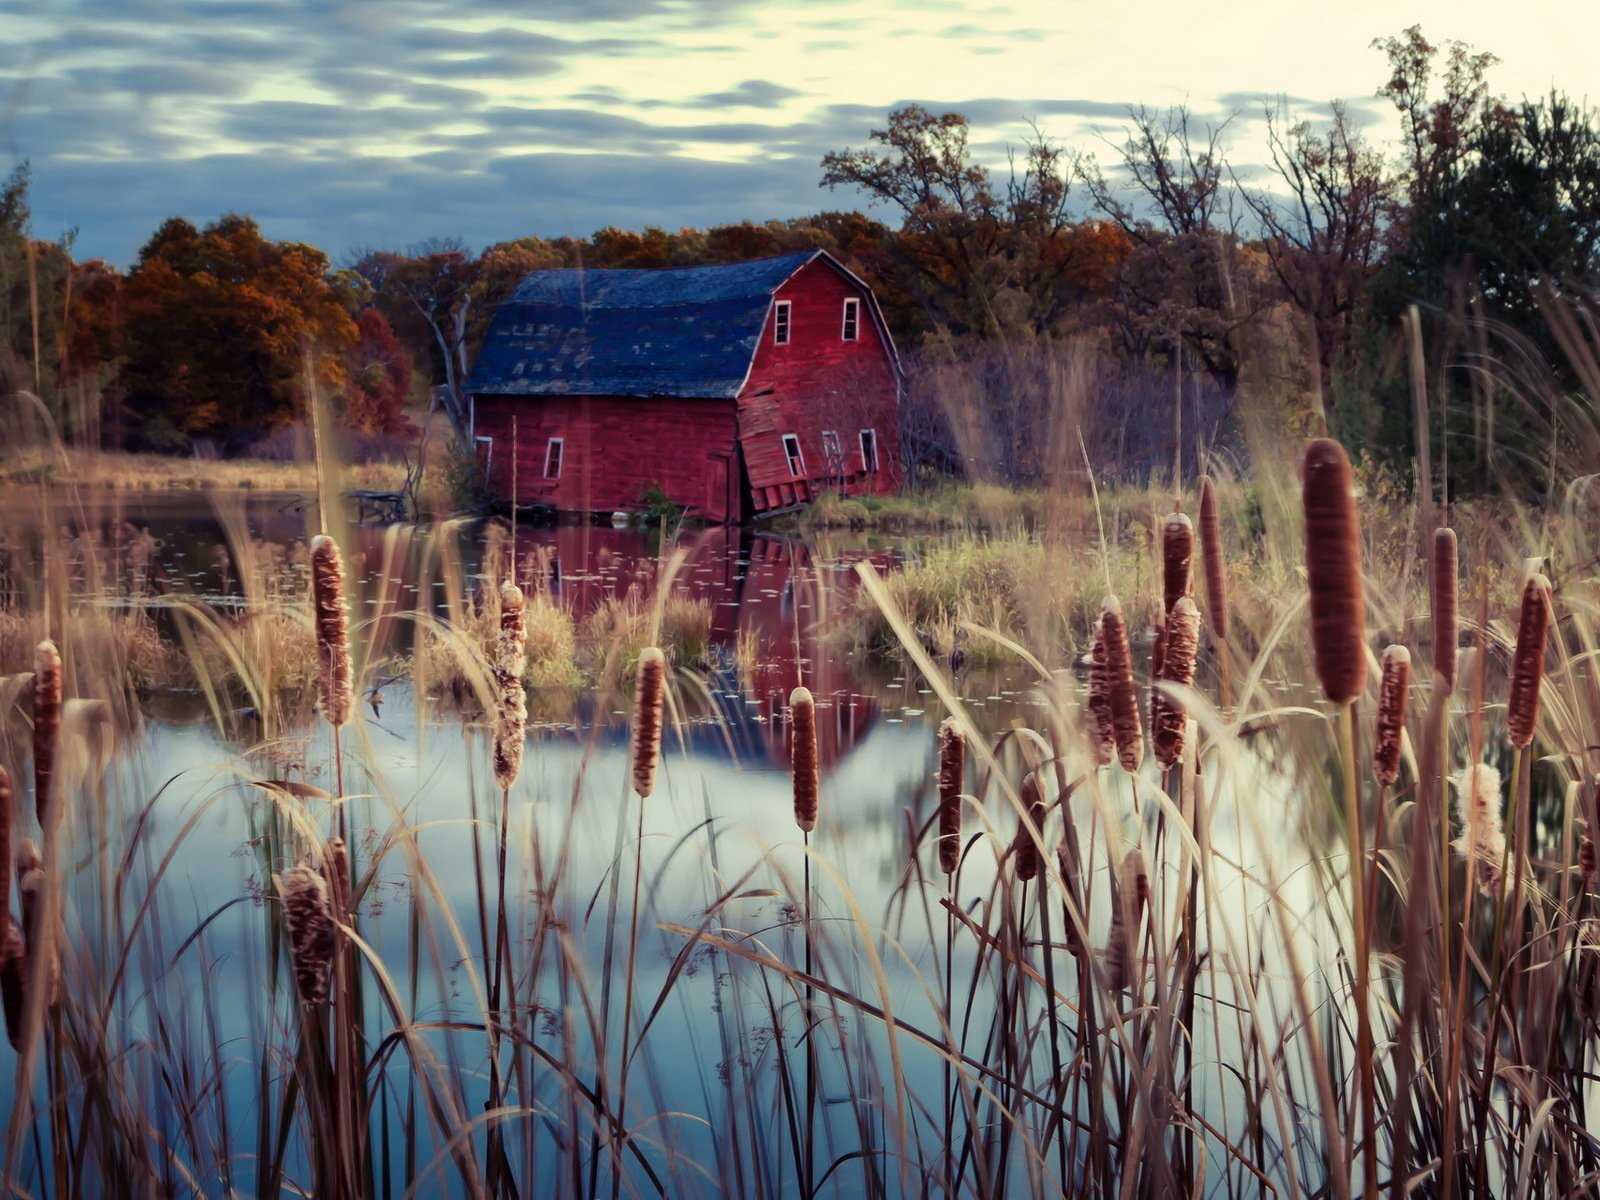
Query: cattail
{"type": "Point", "coordinates": [6, 819]}
{"type": "Point", "coordinates": [1102, 743]}
{"type": "Point", "coordinates": [1177, 668]}
{"type": "Point", "coordinates": [31, 884]}
{"type": "Point", "coordinates": [1586, 857]}
{"type": "Point", "coordinates": [510, 662]}
{"type": "Point", "coordinates": [1446, 635]}
{"type": "Point", "coordinates": [336, 869]}
{"type": "Point", "coordinates": [1158, 654]}
{"type": "Point", "coordinates": [649, 693]}
{"type": "Point", "coordinates": [1025, 850]}
{"type": "Point", "coordinates": [1482, 842]}
{"type": "Point", "coordinates": [1211, 549]}
{"type": "Point", "coordinates": [803, 757]}
{"type": "Point", "coordinates": [13, 980]}
{"type": "Point", "coordinates": [334, 690]}
{"type": "Point", "coordinates": [46, 730]}
{"type": "Point", "coordinates": [1333, 571]}
{"type": "Point", "coordinates": [309, 916]}
{"type": "Point", "coordinates": [952, 764]}
{"type": "Point", "coordinates": [1527, 664]}
{"type": "Point", "coordinates": [1121, 698]}
{"type": "Point", "coordinates": [1177, 557]}
{"type": "Point", "coordinates": [1392, 691]}
{"type": "Point", "coordinates": [1127, 908]}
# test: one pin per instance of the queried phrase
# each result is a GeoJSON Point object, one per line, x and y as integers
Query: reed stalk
{"type": "Point", "coordinates": [46, 734]}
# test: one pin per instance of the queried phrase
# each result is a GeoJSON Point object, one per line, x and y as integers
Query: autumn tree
{"type": "Point", "coordinates": [1181, 283]}
{"type": "Point", "coordinates": [979, 256]}
{"type": "Point", "coordinates": [377, 378]}
{"type": "Point", "coordinates": [1324, 225]}
{"type": "Point", "coordinates": [220, 325]}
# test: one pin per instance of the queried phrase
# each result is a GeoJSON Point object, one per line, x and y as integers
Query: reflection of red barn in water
{"type": "Point", "coordinates": [791, 591]}
{"type": "Point", "coordinates": [773, 607]}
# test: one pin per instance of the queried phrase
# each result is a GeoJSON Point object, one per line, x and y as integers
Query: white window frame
{"type": "Point", "coordinates": [831, 443]}
{"type": "Point", "coordinates": [487, 443]}
{"type": "Point", "coordinates": [559, 446]}
{"type": "Point", "coordinates": [782, 322]}
{"type": "Point", "coordinates": [850, 324]}
{"type": "Point", "coordinates": [869, 464]}
{"type": "Point", "coordinates": [797, 458]}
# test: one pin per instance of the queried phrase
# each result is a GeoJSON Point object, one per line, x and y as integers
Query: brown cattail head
{"type": "Point", "coordinates": [1586, 857]}
{"type": "Point", "coordinates": [1527, 664]}
{"type": "Point", "coordinates": [46, 730]}
{"type": "Point", "coordinates": [952, 765]}
{"type": "Point", "coordinates": [1158, 654]}
{"type": "Point", "coordinates": [1127, 909]}
{"type": "Point", "coordinates": [1333, 571]}
{"type": "Point", "coordinates": [1445, 629]}
{"type": "Point", "coordinates": [334, 688]}
{"type": "Point", "coordinates": [511, 702]}
{"type": "Point", "coordinates": [1025, 850]}
{"type": "Point", "coordinates": [1102, 743]}
{"type": "Point", "coordinates": [44, 957]}
{"type": "Point", "coordinates": [1177, 667]}
{"type": "Point", "coordinates": [1121, 698]}
{"type": "Point", "coordinates": [309, 915]}
{"type": "Point", "coordinates": [1211, 550]}
{"type": "Point", "coordinates": [1483, 841]}
{"type": "Point", "coordinates": [1177, 557]}
{"type": "Point", "coordinates": [7, 819]}
{"type": "Point", "coordinates": [13, 979]}
{"type": "Point", "coordinates": [336, 869]}
{"type": "Point", "coordinates": [649, 696]}
{"type": "Point", "coordinates": [803, 757]}
{"type": "Point", "coordinates": [1391, 724]}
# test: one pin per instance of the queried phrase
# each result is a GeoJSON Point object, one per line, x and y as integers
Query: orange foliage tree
{"type": "Point", "coordinates": [220, 325]}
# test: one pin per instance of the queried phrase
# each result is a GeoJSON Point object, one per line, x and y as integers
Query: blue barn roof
{"type": "Point", "coordinates": [683, 331]}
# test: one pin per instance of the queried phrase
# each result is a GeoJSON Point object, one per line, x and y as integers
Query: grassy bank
{"type": "Point", "coordinates": [942, 508]}
{"type": "Point", "coordinates": [157, 472]}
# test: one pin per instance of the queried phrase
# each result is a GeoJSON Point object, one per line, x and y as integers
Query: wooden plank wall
{"type": "Point", "coordinates": [615, 448]}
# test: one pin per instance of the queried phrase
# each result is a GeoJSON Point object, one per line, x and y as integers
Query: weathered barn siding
{"type": "Point", "coordinates": [614, 449]}
{"type": "Point", "coordinates": [817, 382]}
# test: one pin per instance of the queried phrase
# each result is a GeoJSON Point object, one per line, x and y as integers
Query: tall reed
{"type": "Point", "coordinates": [1122, 700]}
{"type": "Point", "coordinates": [1527, 663]}
{"type": "Point", "coordinates": [1177, 670]}
{"type": "Point", "coordinates": [1443, 624]}
{"type": "Point", "coordinates": [1338, 643]}
{"type": "Point", "coordinates": [1177, 557]}
{"type": "Point", "coordinates": [1216, 567]}
{"type": "Point", "coordinates": [46, 733]}
{"type": "Point", "coordinates": [1393, 689]}
{"type": "Point", "coordinates": [952, 764]}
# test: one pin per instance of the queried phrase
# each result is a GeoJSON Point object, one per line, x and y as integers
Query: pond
{"type": "Point", "coordinates": [564, 990]}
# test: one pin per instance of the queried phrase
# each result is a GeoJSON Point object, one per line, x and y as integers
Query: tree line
{"type": "Point", "coordinates": [1154, 259]}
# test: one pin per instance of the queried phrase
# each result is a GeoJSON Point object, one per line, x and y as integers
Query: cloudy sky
{"type": "Point", "coordinates": [385, 122]}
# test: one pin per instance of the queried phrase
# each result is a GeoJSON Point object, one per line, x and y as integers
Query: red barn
{"type": "Point", "coordinates": [736, 390]}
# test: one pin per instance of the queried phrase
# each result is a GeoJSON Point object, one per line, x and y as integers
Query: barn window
{"type": "Point", "coordinates": [780, 323]}
{"type": "Point", "coordinates": [869, 450]}
{"type": "Point", "coordinates": [791, 451]}
{"type": "Point", "coordinates": [552, 458]}
{"type": "Point", "coordinates": [830, 445]}
{"type": "Point", "coordinates": [852, 319]}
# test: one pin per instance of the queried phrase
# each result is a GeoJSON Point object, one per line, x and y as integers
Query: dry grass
{"type": "Point", "coordinates": [158, 472]}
